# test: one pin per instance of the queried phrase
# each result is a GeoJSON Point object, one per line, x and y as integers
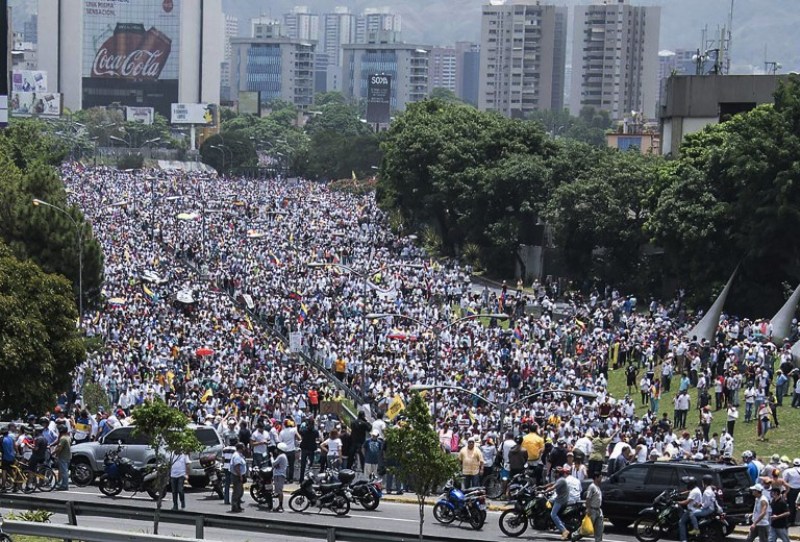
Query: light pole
{"type": "Point", "coordinates": [503, 407]}
{"type": "Point", "coordinates": [365, 276]}
{"type": "Point", "coordinates": [437, 330]}
{"type": "Point", "coordinates": [79, 230]}
{"type": "Point", "coordinates": [222, 149]}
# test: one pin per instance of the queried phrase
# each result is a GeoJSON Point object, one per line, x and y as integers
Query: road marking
{"type": "Point", "coordinates": [131, 498]}
{"type": "Point", "coordinates": [383, 518]}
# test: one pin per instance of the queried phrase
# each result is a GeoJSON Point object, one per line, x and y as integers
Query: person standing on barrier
{"type": "Point", "coordinates": [238, 472]}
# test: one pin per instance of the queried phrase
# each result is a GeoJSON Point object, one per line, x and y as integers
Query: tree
{"type": "Point", "coordinates": [445, 95]}
{"type": "Point", "coordinates": [228, 150]}
{"type": "Point", "coordinates": [38, 335]}
{"type": "Point", "coordinates": [168, 434]}
{"type": "Point", "coordinates": [419, 459]}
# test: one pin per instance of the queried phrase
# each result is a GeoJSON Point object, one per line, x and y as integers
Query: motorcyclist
{"type": "Point", "coordinates": [561, 494]}
{"type": "Point", "coordinates": [693, 504]}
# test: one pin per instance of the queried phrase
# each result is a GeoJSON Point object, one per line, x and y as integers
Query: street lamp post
{"type": "Point", "coordinates": [437, 330]}
{"type": "Point", "coordinates": [503, 407]}
{"type": "Point", "coordinates": [79, 231]}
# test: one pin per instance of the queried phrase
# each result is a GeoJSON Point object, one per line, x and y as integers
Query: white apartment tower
{"type": "Point", "coordinates": [615, 58]}
{"type": "Point", "coordinates": [376, 20]}
{"type": "Point", "coordinates": [523, 52]}
{"type": "Point", "coordinates": [338, 28]}
{"type": "Point", "coordinates": [301, 24]}
{"type": "Point", "coordinates": [231, 30]}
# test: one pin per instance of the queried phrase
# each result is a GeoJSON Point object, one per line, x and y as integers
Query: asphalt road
{"type": "Point", "coordinates": [389, 517]}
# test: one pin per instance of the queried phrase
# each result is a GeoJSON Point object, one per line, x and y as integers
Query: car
{"type": "Point", "coordinates": [633, 488]}
{"type": "Point", "coordinates": [87, 458]}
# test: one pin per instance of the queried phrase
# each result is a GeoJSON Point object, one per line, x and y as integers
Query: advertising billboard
{"type": "Point", "coordinates": [249, 103]}
{"type": "Point", "coordinates": [28, 81]}
{"type": "Point", "coordinates": [130, 53]}
{"type": "Point", "coordinates": [143, 115]}
{"type": "Point", "coordinates": [379, 94]}
{"type": "Point", "coordinates": [35, 104]}
{"type": "Point", "coordinates": [204, 114]}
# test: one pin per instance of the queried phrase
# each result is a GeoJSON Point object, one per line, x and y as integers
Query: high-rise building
{"type": "Point", "coordinates": [231, 30]}
{"type": "Point", "coordinates": [406, 64]}
{"type": "Point", "coordinates": [275, 68]}
{"type": "Point", "coordinates": [442, 68]}
{"type": "Point", "coordinates": [301, 24]}
{"type": "Point", "coordinates": [615, 58]}
{"type": "Point", "coordinates": [265, 28]}
{"type": "Point", "coordinates": [30, 31]}
{"type": "Point", "coordinates": [467, 71]}
{"type": "Point", "coordinates": [523, 52]}
{"type": "Point", "coordinates": [338, 28]}
{"type": "Point", "coordinates": [376, 19]}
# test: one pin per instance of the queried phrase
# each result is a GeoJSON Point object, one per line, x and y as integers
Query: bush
{"type": "Point", "coordinates": [130, 161]}
{"type": "Point", "coordinates": [94, 396]}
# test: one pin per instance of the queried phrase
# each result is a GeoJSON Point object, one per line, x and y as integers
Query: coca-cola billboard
{"type": "Point", "coordinates": [130, 53]}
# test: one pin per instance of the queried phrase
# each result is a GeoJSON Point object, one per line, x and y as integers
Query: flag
{"type": "Point", "coordinates": [149, 294]}
{"type": "Point", "coordinates": [295, 295]}
{"type": "Point", "coordinates": [580, 324]}
{"type": "Point", "coordinates": [273, 259]}
{"type": "Point", "coordinates": [354, 174]}
{"type": "Point", "coordinates": [396, 407]}
{"type": "Point", "coordinates": [471, 311]}
{"type": "Point", "coordinates": [209, 392]}
{"type": "Point", "coordinates": [303, 313]}
{"type": "Point", "coordinates": [518, 334]}
{"type": "Point", "coordinates": [501, 302]}
{"type": "Point", "coordinates": [249, 323]}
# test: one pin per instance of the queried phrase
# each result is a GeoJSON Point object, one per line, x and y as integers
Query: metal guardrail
{"type": "Point", "coordinates": [85, 534]}
{"type": "Point", "coordinates": [202, 520]}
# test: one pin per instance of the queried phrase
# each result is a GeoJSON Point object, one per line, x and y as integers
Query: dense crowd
{"type": "Point", "coordinates": [204, 276]}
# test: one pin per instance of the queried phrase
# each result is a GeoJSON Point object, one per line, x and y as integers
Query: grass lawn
{"type": "Point", "coordinates": [780, 440]}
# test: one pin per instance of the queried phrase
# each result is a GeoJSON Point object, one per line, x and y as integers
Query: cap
{"type": "Point", "coordinates": [698, 456]}
{"type": "Point", "coordinates": [375, 433]}
{"type": "Point", "coordinates": [796, 462]}
{"type": "Point", "coordinates": [776, 458]}
{"type": "Point", "coordinates": [757, 487]}
{"type": "Point", "coordinates": [471, 440]}
{"type": "Point", "coordinates": [282, 446]}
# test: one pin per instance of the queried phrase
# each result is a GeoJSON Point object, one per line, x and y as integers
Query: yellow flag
{"type": "Point", "coordinates": [209, 392]}
{"type": "Point", "coordinates": [354, 175]}
{"type": "Point", "coordinates": [396, 407]}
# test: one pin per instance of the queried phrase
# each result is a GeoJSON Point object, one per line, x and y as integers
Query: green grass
{"type": "Point", "coordinates": [780, 440]}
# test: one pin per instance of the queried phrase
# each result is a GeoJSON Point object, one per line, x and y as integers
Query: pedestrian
{"type": "Point", "coordinates": [733, 415]}
{"type": "Point", "coordinates": [290, 438]}
{"type": "Point", "coordinates": [309, 441]}
{"type": "Point", "coordinates": [9, 455]}
{"type": "Point", "coordinates": [280, 464]}
{"type": "Point", "coordinates": [373, 454]}
{"type": "Point", "coordinates": [332, 448]}
{"type": "Point", "coordinates": [594, 505]}
{"type": "Point", "coordinates": [779, 520]}
{"type": "Point", "coordinates": [227, 456]}
{"type": "Point", "coordinates": [759, 527]}
{"type": "Point", "coordinates": [63, 455]}
{"type": "Point", "coordinates": [179, 474]}
{"type": "Point", "coordinates": [472, 462]}
{"type": "Point", "coordinates": [238, 473]}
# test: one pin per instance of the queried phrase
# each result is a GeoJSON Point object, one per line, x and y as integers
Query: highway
{"type": "Point", "coordinates": [389, 517]}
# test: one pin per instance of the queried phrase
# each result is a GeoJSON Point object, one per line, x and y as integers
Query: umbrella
{"type": "Point", "coordinates": [204, 352]}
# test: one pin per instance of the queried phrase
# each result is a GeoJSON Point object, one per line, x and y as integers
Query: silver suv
{"type": "Point", "coordinates": [87, 458]}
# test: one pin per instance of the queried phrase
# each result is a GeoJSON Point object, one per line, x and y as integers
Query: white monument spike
{"type": "Point", "coordinates": [782, 321]}
{"type": "Point", "coordinates": [706, 328]}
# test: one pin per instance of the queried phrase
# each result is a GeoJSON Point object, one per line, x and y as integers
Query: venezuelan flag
{"type": "Point", "coordinates": [303, 313]}
{"type": "Point", "coordinates": [295, 295]}
{"type": "Point", "coordinates": [471, 312]}
{"type": "Point", "coordinates": [273, 259]}
{"type": "Point", "coordinates": [149, 294]}
{"type": "Point", "coordinates": [518, 333]}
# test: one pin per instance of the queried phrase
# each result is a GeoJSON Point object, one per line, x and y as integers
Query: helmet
{"type": "Point", "coordinates": [518, 439]}
{"type": "Point", "coordinates": [282, 447]}
{"type": "Point", "coordinates": [690, 481]}
{"type": "Point", "coordinates": [708, 479]}
{"type": "Point", "coordinates": [747, 454]}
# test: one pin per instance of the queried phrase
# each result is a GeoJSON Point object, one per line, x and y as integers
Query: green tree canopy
{"type": "Point", "coordinates": [228, 150]}
{"type": "Point", "coordinates": [40, 345]}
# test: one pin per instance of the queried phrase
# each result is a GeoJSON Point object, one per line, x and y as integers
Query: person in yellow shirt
{"type": "Point", "coordinates": [534, 445]}
{"type": "Point", "coordinates": [340, 367]}
{"type": "Point", "coordinates": [471, 464]}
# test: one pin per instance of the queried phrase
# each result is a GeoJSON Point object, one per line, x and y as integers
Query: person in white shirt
{"type": "Point", "coordinates": [792, 478]}
{"type": "Point", "coordinates": [290, 438]}
{"type": "Point", "coordinates": [258, 444]}
{"type": "Point", "coordinates": [332, 447]}
{"type": "Point", "coordinates": [693, 504]}
{"type": "Point", "coordinates": [178, 473]}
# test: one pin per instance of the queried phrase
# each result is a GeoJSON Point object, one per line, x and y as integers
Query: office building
{"type": "Point", "coordinates": [301, 24]}
{"type": "Point", "coordinates": [265, 28]}
{"type": "Point", "coordinates": [522, 57]}
{"type": "Point", "coordinates": [275, 68]}
{"type": "Point", "coordinates": [148, 53]}
{"type": "Point", "coordinates": [231, 31]}
{"type": "Point", "coordinates": [338, 28]}
{"type": "Point", "coordinates": [30, 29]}
{"type": "Point", "coordinates": [615, 58]}
{"type": "Point", "coordinates": [375, 19]}
{"type": "Point", "coordinates": [468, 67]}
{"type": "Point", "coordinates": [24, 55]}
{"type": "Point", "coordinates": [406, 64]}
{"type": "Point", "coordinates": [442, 68]}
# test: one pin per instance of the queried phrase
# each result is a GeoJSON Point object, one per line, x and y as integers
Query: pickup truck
{"type": "Point", "coordinates": [87, 458]}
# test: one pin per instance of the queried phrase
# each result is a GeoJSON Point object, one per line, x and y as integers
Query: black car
{"type": "Point", "coordinates": [633, 488]}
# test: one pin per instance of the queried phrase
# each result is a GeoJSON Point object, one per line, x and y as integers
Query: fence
{"type": "Point", "coordinates": [201, 521]}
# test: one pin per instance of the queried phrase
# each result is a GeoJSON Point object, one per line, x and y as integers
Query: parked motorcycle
{"type": "Point", "coordinates": [531, 506]}
{"type": "Point", "coordinates": [262, 490]}
{"type": "Point", "coordinates": [334, 495]}
{"type": "Point", "coordinates": [121, 475]}
{"type": "Point", "coordinates": [662, 518]}
{"type": "Point", "coordinates": [455, 504]}
{"type": "Point", "coordinates": [213, 469]}
{"type": "Point", "coordinates": [367, 493]}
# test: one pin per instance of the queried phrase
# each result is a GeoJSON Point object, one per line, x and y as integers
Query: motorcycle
{"type": "Point", "coordinates": [531, 507]}
{"type": "Point", "coordinates": [262, 491]}
{"type": "Point", "coordinates": [121, 475]}
{"type": "Point", "coordinates": [213, 469]}
{"type": "Point", "coordinates": [367, 493]}
{"type": "Point", "coordinates": [3, 536]}
{"type": "Point", "coordinates": [334, 496]}
{"type": "Point", "coordinates": [455, 504]}
{"type": "Point", "coordinates": [662, 518]}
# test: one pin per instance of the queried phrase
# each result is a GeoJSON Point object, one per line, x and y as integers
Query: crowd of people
{"type": "Point", "coordinates": [205, 277]}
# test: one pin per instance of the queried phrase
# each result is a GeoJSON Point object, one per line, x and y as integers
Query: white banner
{"type": "Point", "coordinates": [295, 342]}
{"type": "Point", "coordinates": [35, 104]}
{"type": "Point", "coordinates": [28, 81]}
{"type": "Point", "coordinates": [143, 115]}
{"type": "Point", "coordinates": [192, 114]}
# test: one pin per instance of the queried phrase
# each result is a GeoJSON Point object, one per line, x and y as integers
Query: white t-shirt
{"type": "Point", "coordinates": [334, 445]}
{"type": "Point", "coordinates": [179, 466]}
{"type": "Point", "coordinates": [695, 499]}
{"type": "Point", "coordinates": [288, 437]}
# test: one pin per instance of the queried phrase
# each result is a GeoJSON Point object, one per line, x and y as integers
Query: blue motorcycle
{"type": "Point", "coordinates": [456, 505]}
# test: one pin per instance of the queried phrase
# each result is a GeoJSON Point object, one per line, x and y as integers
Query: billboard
{"type": "Point", "coordinates": [130, 53]}
{"type": "Point", "coordinates": [249, 103]}
{"type": "Point", "coordinates": [204, 114]}
{"type": "Point", "coordinates": [28, 81]}
{"type": "Point", "coordinates": [379, 94]}
{"type": "Point", "coordinates": [143, 115]}
{"type": "Point", "coordinates": [35, 104]}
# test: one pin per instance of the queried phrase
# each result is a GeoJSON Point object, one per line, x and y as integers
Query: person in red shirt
{"type": "Point", "coordinates": [313, 401]}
